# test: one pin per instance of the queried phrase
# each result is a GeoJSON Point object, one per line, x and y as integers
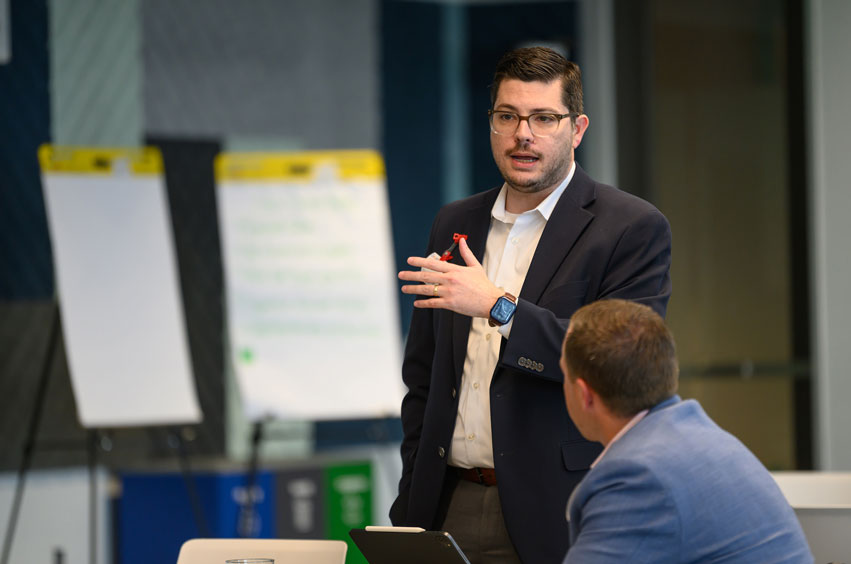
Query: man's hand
{"type": "Point", "coordinates": [462, 289]}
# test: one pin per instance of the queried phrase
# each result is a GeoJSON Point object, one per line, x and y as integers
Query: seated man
{"type": "Point", "coordinates": [670, 485]}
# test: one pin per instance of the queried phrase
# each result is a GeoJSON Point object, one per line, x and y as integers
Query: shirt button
{"type": "Point", "coordinates": [471, 436]}
{"type": "Point", "coordinates": [476, 385]}
{"type": "Point", "coordinates": [441, 452]}
{"type": "Point", "coordinates": [514, 241]}
{"type": "Point", "coordinates": [488, 337]}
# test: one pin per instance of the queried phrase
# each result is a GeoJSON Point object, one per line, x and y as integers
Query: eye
{"type": "Point", "coordinates": [544, 119]}
{"type": "Point", "coordinates": [507, 117]}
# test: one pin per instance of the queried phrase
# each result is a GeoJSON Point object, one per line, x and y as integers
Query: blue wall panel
{"type": "Point", "coordinates": [25, 267]}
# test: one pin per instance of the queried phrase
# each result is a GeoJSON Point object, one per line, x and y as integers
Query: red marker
{"type": "Point", "coordinates": [447, 254]}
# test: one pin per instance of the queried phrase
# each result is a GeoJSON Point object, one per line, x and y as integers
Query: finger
{"type": "Point", "coordinates": [467, 254]}
{"type": "Point", "coordinates": [431, 264]}
{"type": "Point", "coordinates": [420, 276]}
{"type": "Point", "coordinates": [426, 290]}
{"type": "Point", "coordinates": [433, 303]}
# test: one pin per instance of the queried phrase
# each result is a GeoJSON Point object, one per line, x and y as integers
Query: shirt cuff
{"type": "Point", "coordinates": [505, 330]}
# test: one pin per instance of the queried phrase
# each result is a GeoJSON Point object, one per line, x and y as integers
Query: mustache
{"type": "Point", "coordinates": [523, 149]}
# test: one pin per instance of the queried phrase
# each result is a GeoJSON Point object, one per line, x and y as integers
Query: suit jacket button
{"type": "Point", "coordinates": [522, 361]}
{"type": "Point", "coordinates": [453, 392]}
{"type": "Point", "coordinates": [441, 452]}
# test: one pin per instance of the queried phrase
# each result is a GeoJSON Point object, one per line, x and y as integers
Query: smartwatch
{"type": "Point", "coordinates": [503, 310]}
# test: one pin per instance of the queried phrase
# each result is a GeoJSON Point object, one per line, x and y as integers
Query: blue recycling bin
{"type": "Point", "coordinates": [156, 514]}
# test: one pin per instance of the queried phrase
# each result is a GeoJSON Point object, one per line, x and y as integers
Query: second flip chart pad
{"type": "Point", "coordinates": [312, 298]}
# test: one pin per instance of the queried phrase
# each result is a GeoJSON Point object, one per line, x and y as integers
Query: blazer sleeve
{"type": "Point", "coordinates": [416, 374]}
{"type": "Point", "coordinates": [623, 515]}
{"type": "Point", "coordinates": [637, 268]}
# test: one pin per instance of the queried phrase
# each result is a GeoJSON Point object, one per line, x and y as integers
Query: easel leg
{"type": "Point", "coordinates": [32, 432]}
{"type": "Point", "coordinates": [176, 440]}
{"type": "Point", "coordinates": [93, 494]}
{"type": "Point", "coordinates": [247, 513]}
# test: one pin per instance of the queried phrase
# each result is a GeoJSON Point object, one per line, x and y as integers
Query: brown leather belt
{"type": "Point", "coordinates": [484, 476]}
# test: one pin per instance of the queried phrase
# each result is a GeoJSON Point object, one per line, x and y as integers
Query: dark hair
{"type": "Point", "coordinates": [542, 64]}
{"type": "Point", "coordinates": [625, 352]}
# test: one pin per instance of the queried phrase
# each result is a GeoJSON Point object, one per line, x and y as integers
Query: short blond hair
{"type": "Point", "coordinates": [625, 352]}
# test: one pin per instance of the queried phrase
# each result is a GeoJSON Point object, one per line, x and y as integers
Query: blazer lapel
{"type": "Point", "coordinates": [566, 224]}
{"type": "Point", "coordinates": [476, 225]}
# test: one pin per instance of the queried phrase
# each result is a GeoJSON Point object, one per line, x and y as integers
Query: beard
{"type": "Point", "coordinates": [549, 177]}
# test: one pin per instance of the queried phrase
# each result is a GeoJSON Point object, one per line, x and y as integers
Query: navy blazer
{"type": "Point", "coordinates": [599, 242]}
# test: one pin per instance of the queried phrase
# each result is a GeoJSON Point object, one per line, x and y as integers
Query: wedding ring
{"type": "Point", "coordinates": [434, 290]}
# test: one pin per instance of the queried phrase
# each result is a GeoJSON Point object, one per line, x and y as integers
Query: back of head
{"type": "Point", "coordinates": [541, 64]}
{"type": "Point", "coordinates": [625, 352]}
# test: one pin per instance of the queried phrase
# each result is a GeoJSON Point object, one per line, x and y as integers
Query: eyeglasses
{"type": "Point", "coordinates": [541, 125]}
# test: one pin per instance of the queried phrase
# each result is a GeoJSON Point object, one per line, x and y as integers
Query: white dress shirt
{"type": "Point", "coordinates": [632, 423]}
{"type": "Point", "coordinates": [511, 244]}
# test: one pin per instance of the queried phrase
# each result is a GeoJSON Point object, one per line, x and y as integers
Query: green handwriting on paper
{"type": "Point", "coordinates": [271, 251]}
{"type": "Point", "coordinates": [304, 327]}
{"type": "Point", "coordinates": [275, 305]}
{"type": "Point", "coordinates": [274, 226]}
{"type": "Point", "coordinates": [298, 277]}
{"type": "Point", "coordinates": [301, 208]}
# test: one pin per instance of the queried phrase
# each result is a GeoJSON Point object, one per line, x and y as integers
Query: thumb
{"type": "Point", "coordinates": [467, 254]}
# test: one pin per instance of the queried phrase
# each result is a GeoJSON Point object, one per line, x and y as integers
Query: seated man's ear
{"type": "Point", "coordinates": [586, 394]}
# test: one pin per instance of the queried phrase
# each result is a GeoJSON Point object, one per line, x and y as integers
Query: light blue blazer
{"type": "Point", "coordinates": [678, 488]}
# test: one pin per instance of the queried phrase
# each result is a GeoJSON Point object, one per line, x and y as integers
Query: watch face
{"type": "Point", "coordinates": [502, 310]}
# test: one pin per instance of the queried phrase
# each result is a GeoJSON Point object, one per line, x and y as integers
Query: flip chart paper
{"type": "Point", "coordinates": [310, 282]}
{"type": "Point", "coordinates": [118, 289]}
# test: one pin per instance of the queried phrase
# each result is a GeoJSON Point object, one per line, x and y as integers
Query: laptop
{"type": "Point", "coordinates": [282, 551]}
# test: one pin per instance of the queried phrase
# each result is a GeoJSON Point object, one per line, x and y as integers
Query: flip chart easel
{"type": "Point", "coordinates": [119, 298]}
{"type": "Point", "coordinates": [118, 289]}
{"type": "Point", "coordinates": [310, 284]}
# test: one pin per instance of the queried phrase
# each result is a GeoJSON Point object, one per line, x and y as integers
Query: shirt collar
{"type": "Point", "coordinates": [632, 423]}
{"type": "Point", "coordinates": [545, 208]}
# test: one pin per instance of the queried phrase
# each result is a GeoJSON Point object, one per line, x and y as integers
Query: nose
{"type": "Point", "coordinates": [523, 131]}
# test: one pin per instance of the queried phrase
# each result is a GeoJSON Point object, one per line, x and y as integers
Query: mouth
{"type": "Point", "coordinates": [522, 158]}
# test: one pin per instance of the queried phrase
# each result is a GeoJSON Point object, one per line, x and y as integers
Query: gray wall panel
{"type": "Point", "coordinates": [829, 91]}
{"type": "Point", "coordinates": [95, 72]}
{"type": "Point", "coordinates": [302, 71]}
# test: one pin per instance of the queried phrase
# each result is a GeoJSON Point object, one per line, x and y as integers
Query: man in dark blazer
{"type": "Point", "coordinates": [489, 453]}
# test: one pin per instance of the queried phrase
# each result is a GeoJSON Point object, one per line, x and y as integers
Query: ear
{"type": "Point", "coordinates": [580, 125]}
{"type": "Point", "coordinates": [586, 394]}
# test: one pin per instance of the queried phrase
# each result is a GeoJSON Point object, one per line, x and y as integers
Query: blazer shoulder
{"type": "Point", "coordinates": [464, 205]}
{"type": "Point", "coordinates": [660, 440]}
{"type": "Point", "coordinates": [680, 439]}
{"type": "Point", "coordinates": [609, 202]}
{"type": "Point", "coordinates": [611, 197]}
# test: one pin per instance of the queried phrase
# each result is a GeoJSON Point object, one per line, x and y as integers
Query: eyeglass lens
{"type": "Point", "coordinates": [506, 123]}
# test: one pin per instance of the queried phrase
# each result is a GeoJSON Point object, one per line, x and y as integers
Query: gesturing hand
{"type": "Point", "coordinates": [462, 289]}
